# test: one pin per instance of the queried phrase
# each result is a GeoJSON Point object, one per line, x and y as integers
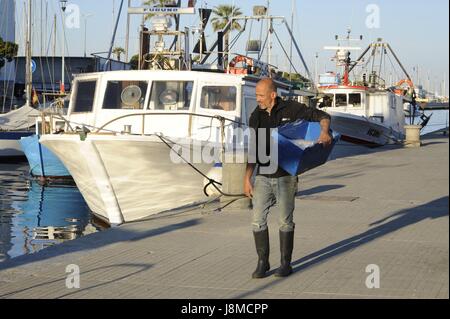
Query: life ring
{"type": "Point", "coordinates": [399, 90]}
{"type": "Point", "coordinates": [247, 62]}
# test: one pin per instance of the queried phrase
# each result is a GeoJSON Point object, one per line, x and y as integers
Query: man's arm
{"type": "Point", "coordinates": [248, 187]}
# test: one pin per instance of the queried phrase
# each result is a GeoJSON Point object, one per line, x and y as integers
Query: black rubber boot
{"type": "Point", "coordinates": [286, 246]}
{"type": "Point", "coordinates": [262, 249]}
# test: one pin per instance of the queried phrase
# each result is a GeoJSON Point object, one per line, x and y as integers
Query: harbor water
{"type": "Point", "coordinates": [33, 217]}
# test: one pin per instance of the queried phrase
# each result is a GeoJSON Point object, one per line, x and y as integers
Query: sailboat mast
{"type": "Point", "coordinates": [290, 50]}
{"type": "Point", "coordinates": [28, 74]}
{"type": "Point", "coordinates": [127, 37]}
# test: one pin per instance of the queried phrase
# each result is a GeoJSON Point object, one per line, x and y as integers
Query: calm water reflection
{"type": "Point", "coordinates": [33, 217]}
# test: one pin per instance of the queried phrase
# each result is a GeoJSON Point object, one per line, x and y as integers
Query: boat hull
{"type": "Point", "coordinates": [10, 146]}
{"type": "Point", "coordinates": [360, 130]}
{"type": "Point", "coordinates": [43, 163]}
{"type": "Point", "coordinates": [126, 178]}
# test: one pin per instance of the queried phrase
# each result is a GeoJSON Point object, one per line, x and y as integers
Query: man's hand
{"type": "Point", "coordinates": [325, 139]}
{"type": "Point", "coordinates": [248, 188]}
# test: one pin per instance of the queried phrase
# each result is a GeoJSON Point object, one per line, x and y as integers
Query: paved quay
{"type": "Point", "coordinates": [386, 207]}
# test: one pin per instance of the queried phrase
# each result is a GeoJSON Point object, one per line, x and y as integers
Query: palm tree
{"type": "Point", "coordinates": [118, 51]}
{"type": "Point", "coordinates": [223, 14]}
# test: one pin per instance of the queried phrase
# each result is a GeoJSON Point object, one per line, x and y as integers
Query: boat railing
{"type": "Point", "coordinates": [103, 128]}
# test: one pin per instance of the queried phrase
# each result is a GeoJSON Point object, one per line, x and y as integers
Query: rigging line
{"type": "Point", "coordinates": [249, 37]}
{"type": "Point", "coordinates": [382, 53]}
{"type": "Point", "coordinates": [16, 61]}
{"type": "Point", "coordinates": [235, 39]}
{"type": "Point", "coordinates": [67, 66]}
{"type": "Point", "coordinates": [263, 47]}
{"type": "Point", "coordinates": [48, 63]}
{"type": "Point", "coordinates": [287, 55]}
{"type": "Point", "coordinates": [393, 67]}
{"type": "Point", "coordinates": [42, 74]}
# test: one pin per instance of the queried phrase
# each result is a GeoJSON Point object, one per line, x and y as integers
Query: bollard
{"type": "Point", "coordinates": [126, 129]}
{"type": "Point", "coordinates": [233, 173]}
{"type": "Point", "coordinates": [412, 136]}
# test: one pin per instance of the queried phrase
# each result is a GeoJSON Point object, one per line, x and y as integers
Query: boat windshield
{"type": "Point", "coordinates": [219, 98]}
{"type": "Point", "coordinates": [84, 96]}
{"type": "Point", "coordinates": [125, 95]}
{"type": "Point", "coordinates": [171, 95]}
{"type": "Point", "coordinates": [341, 100]}
{"type": "Point", "coordinates": [354, 99]}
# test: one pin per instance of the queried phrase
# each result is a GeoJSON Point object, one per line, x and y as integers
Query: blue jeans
{"type": "Point", "coordinates": [269, 191]}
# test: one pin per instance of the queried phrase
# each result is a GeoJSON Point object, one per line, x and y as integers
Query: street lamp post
{"type": "Point", "coordinates": [63, 4]}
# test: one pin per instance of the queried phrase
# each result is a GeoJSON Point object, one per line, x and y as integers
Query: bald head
{"type": "Point", "coordinates": [267, 84]}
{"type": "Point", "coordinates": [266, 94]}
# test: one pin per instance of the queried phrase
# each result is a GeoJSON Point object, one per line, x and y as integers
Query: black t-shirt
{"type": "Point", "coordinates": [283, 112]}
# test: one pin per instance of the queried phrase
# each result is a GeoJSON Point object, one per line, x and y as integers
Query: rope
{"type": "Point", "coordinates": [211, 181]}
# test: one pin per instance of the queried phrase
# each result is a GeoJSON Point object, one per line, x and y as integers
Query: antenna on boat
{"type": "Point", "coordinates": [162, 57]}
{"type": "Point", "coordinates": [263, 67]}
{"type": "Point", "coordinates": [342, 56]}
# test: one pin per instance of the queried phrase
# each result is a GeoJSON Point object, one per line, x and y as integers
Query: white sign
{"type": "Point", "coordinates": [162, 10]}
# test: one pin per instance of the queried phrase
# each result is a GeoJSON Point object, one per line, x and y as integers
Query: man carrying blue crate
{"type": "Point", "coordinates": [275, 185]}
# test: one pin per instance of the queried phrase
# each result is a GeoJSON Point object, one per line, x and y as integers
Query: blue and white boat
{"type": "Point", "coordinates": [43, 163]}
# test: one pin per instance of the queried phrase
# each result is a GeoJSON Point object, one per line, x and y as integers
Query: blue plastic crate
{"type": "Point", "coordinates": [298, 150]}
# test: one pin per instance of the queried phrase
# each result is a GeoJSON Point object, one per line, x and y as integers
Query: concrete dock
{"type": "Point", "coordinates": [384, 211]}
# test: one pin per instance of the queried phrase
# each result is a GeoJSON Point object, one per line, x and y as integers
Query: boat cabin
{"type": "Point", "coordinates": [175, 103]}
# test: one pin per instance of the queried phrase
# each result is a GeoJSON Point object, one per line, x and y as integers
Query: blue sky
{"type": "Point", "coordinates": [416, 29]}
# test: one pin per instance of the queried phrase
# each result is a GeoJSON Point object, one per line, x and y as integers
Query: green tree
{"type": "Point", "coordinates": [117, 51]}
{"type": "Point", "coordinates": [222, 16]}
{"type": "Point", "coordinates": [8, 50]}
{"type": "Point", "coordinates": [134, 62]}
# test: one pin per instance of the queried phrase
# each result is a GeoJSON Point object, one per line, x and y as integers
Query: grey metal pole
{"type": "Point", "coordinates": [114, 36]}
{"type": "Point", "coordinates": [290, 49]}
{"type": "Point", "coordinates": [127, 37]}
{"type": "Point", "coordinates": [85, 27]}
{"type": "Point", "coordinates": [28, 58]}
{"type": "Point", "coordinates": [63, 64]}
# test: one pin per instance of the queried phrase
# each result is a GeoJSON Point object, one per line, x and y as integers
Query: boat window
{"type": "Point", "coordinates": [219, 98]}
{"type": "Point", "coordinates": [354, 99]}
{"type": "Point", "coordinates": [84, 96]}
{"type": "Point", "coordinates": [341, 100]}
{"type": "Point", "coordinates": [171, 95]}
{"type": "Point", "coordinates": [250, 106]}
{"type": "Point", "coordinates": [125, 95]}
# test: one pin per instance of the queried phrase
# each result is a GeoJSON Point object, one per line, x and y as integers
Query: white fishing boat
{"type": "Point", "coordinates": [365, 109]}
{"type": "Point", "coordinates": [141, 142]}
{"type": "Point", "coordinates": [365, 116]}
